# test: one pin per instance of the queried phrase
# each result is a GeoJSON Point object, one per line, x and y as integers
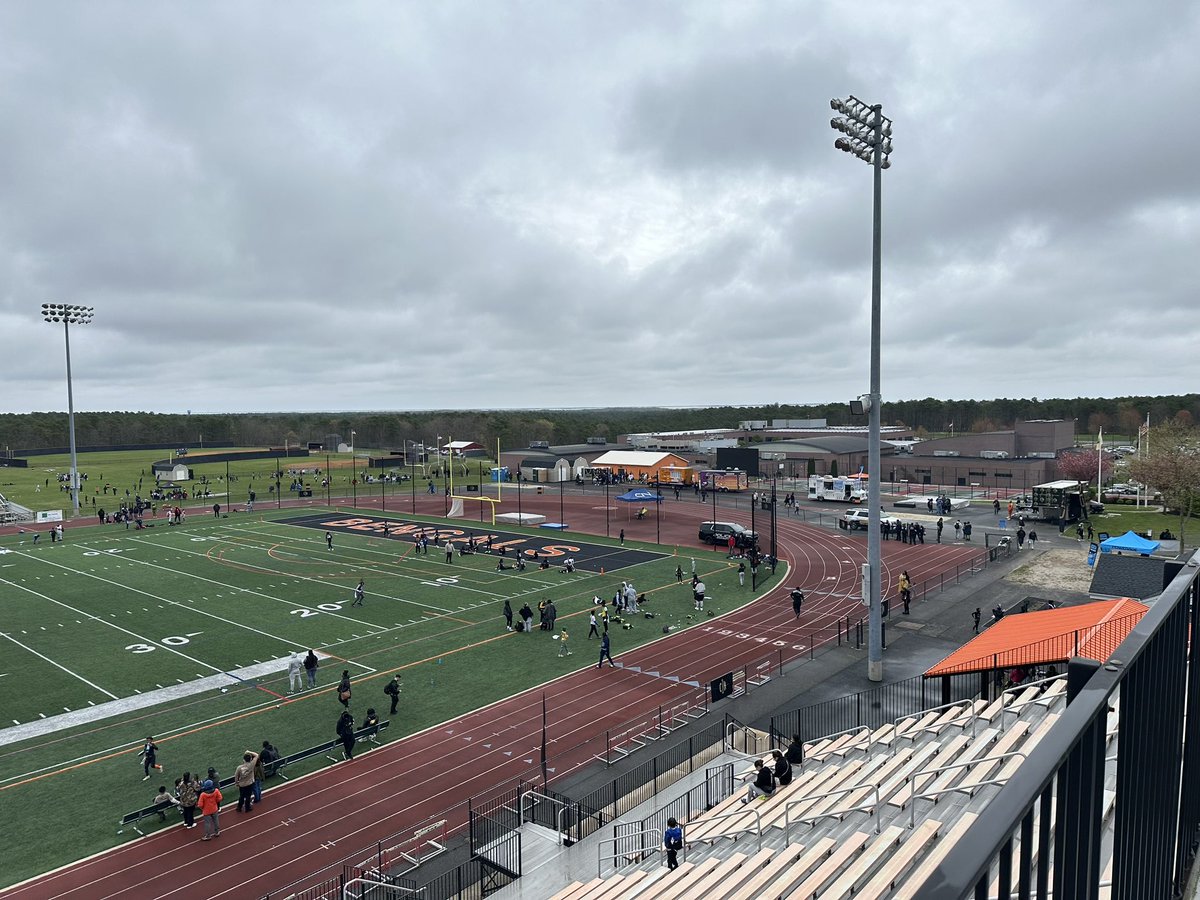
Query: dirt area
{"type": "Point", "coordinates": [1062, 569]}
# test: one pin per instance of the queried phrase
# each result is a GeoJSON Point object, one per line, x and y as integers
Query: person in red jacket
{"type": "Point", "coordinates": [210, 805]}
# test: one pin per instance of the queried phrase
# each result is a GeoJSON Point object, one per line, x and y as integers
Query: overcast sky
{"type": "Point", "coordinates": [299, 206]}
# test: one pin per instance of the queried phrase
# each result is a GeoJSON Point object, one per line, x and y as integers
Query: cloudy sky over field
{"type": "Point", "coordinates": [302, 205]}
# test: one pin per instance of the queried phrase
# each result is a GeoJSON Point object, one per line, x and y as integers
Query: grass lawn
{"type": "Point", "coordinates": [38, 488]}
{"type": "Point", "coordinates": [1118, 518]}
{"type": "Point", "coordinates": [117, 616]}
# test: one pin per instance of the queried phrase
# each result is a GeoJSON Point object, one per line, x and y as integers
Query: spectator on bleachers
{"type": "Point", "coordinates": [795, 751]}
{"type": "Point", "coordinates": [763, 784]}
{"type": "Point", "coordinates": [783, 769]}
{"type": "Point", "coordinates": [673, 843]}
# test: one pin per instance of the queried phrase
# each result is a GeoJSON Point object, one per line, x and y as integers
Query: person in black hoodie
{"type": "Point", "coordinates": [764, 782]}
{"type": "Point", "coordinates": [795, 751]}
{"type": "Point", "coordinates": [345, 731]}
{"type": "Point", "coordinates": [783, 769]}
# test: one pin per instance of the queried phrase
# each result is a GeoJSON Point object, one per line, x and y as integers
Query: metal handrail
{"type": "Point", "coordinates": [787, 822]}
{"type": "Point", "coordinates": [563, 806]}
{"type": "Point", "coordinates": [731, 815]}
{"type": "Point", "coordinates": [346, 895]}
{"type": "Point", "coordinates": [1016, 709]}
{"type": "Point", "coordinates": [830, 737]}
{"type": "Point", "coordinates": [614, 856]}
{"type": "Point", "coordinates": [912, 801]}
{"type": "Point", "coordinates": [923, 713]}
{"type": "Point", "coordinates": [730, 727]}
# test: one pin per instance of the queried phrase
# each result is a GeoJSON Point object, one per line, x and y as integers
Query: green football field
{"type": "Point", "coordinates": [184, 633]}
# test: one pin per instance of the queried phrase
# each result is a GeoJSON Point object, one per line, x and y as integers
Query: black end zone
{"type": "Point", "coordinates": [555, 547]}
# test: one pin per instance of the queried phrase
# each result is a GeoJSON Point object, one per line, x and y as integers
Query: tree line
{"type": "Point", "coordinates": [517, 428]}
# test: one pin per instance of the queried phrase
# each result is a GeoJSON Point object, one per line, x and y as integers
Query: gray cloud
{"type": "Point", "coordinates": [402, 206]}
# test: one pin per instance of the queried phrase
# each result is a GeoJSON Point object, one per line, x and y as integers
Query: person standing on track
{"type": "Point", "coordinates": [210, 806]}
{"type": "Point", "coordinates": [622, 538]}
{"type": "Point", "coordinates": [797, 600]}
{"type": "Point", "coordinates": [149, 755]}
{"type": "Point", "coordinates": [243, 777]}
{"type": "Point", "coordinates": [359, 593]}
{"type": "Point", "coordinates": [904, 587]}
{"type": "Point", "coordinates": [605, 652]}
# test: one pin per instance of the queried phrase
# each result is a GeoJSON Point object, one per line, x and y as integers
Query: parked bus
{"type": "Point", "coordinates": [842, 490]}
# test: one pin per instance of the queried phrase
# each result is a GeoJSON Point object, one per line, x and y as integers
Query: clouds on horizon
{"type": "Point", "coordinates": [409, 206]}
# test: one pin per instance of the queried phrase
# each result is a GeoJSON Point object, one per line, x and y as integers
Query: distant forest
{"type": "Point", "coordinates": [516, 428]}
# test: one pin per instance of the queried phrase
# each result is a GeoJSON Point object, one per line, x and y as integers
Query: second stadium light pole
{"type": "Point", "coordinates": [868, 135]}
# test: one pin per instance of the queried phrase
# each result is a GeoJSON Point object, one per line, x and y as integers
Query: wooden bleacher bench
{"type": "Point", "coordinates": [783, 860]}
{"type": "Point", "coordinates": [269, 769]}
{"type": "Point", "coordinates": [882, 882]}
{"type": "Point", "coordinates": [810, 884]}
{"type": "Point", "coordinates": [900, 799]}
{"type": "Point", "coordinates": [907, 891]}
{"type": "Point", "coordinates": [857, 873]}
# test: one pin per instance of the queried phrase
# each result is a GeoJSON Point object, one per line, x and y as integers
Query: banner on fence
{"type": "Point", "coordinates": [721, 687]}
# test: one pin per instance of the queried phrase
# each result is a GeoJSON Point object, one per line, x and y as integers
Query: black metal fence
{"type": "Point", "coordinates": [633, 840]}
{"type": "Point", "coordinates": [1054, 801]}
{"type": "Point", "coordinates": [872, 708]}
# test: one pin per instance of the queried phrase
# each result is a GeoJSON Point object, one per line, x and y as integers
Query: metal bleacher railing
{"type": "Point", "coordinates": [1060, 786]}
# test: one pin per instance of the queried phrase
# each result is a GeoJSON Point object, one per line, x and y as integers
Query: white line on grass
{"type": "Point", "coordinates": [393, 569]}
{"type": "Point", "coordinates": [191, 609]}
{"type": "Point", "coordinates": [96, 618]}
{"type": "Point", "coordinates": [58, 666]}
{"type": "Point", "coordinates": [226, 586]}
{"type": "Point", "coordinates": [264, 570]}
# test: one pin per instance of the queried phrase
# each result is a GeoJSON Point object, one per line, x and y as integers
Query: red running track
{"type": "Point", "coordinates": [344, 811]}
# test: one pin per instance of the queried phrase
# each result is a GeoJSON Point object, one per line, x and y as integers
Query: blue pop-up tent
{"type": "Point", "coordinates": [639, 495]}
{"type": "Point", "coordinates": [1129, 542]}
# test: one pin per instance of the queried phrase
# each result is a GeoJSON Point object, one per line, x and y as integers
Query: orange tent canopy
{"type": "Point", "coordinates": [1091, 630]}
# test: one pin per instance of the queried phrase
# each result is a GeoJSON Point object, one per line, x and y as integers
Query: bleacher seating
{"type": "Point", "coordinates": [869, 814]}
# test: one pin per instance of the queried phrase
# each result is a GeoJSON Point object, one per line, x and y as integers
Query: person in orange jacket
{"type": "Point", "coordinates": [210, 805]}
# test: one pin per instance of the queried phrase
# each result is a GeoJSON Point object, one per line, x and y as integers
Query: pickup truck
{"type": "Point", "coordinates": [860, 518]}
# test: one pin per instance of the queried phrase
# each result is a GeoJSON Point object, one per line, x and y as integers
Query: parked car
{"type": "Point", "coordinates": [719, 532]}
{"type": "Point", "coordinates": [860, 518]}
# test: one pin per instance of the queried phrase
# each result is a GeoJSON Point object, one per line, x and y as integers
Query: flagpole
{"type": "Point", "coordinates": [1099, 462]}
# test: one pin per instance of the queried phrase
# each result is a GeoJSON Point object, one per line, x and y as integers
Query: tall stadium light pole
{"type": "Point", "coordinates": [867, 134]}
{"type": "Point", "coordinates": [69, 314]}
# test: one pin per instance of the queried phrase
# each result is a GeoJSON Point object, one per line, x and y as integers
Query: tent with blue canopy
{"type": "Point", "coordinates": [640, 495]}
{"type": "Point", "coordinates": [1129, 542]}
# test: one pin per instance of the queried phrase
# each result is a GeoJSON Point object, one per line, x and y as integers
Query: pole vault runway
{"type": "Point", "coordinates": [342, 812]}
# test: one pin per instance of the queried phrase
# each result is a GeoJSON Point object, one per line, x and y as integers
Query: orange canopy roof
{"type": "Point", "coordinates": [1091, 630]}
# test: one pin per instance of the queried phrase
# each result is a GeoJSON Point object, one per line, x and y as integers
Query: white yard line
{"type": "Point", "coordinates": [103, 621]}
{"type": "Point", "coordinates": [264, 570]}
{"type": "Point", "coordinates": [41, 656]}
{"type": "Point", "coordinates": [191, 609]}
